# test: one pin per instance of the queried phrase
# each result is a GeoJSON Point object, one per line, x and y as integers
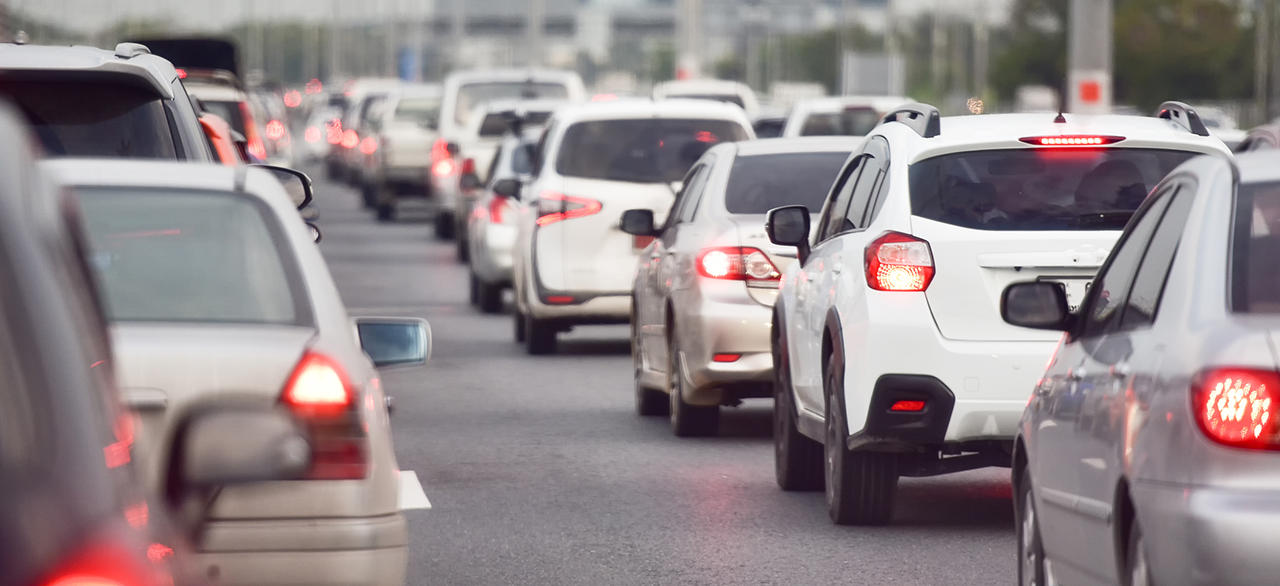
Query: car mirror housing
{"type": "Point", "coordinates": [223, 445]}
{"type": "Point", "coordinates": [1040, 305]}
{"type": "Point", "coordinates": [296, 183]}
{"type": "Point", "coordinates": [638, 223]}
{"type": "Point", "coordinates": [507, 188]}
{"type": "Point", "coordinates": [395, 341]}
{"type": "Point", "coordinates": [789, 226]}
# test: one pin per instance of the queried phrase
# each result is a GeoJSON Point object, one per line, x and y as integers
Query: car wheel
{"type": "Point", "coordinates": [386, 212]}
{"type": "Point", "coordinates": [539, 336]}
{"type": "Point", "coordinates": [1138, 572]}
{"type": "Point", "coordinates": [490, 297]}
{"type": "Point", "coordinates": [797, 460]}
{"type": "Point", "coordinates": [1030, 547]}
{"type": "Point", "coordinates": [649, 402]}
{"type": "Point", "coordinates": [464, 250]}
{"type": "Point", "coordinates": [444, 226]}
{"type": "Point", "coordinates": [687, 420]}
{"type": "Point", "coordinates": [519, 325]}
{"type": "Point", "coordinates": [473, 289]}
{"type": "Point", "coordinates": [860, 485]}
{"type": "Point", "coordinates": [369, 194]}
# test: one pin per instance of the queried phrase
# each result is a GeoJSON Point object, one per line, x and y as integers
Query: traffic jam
{"type": "Point", "coordinates": [1032, 346]}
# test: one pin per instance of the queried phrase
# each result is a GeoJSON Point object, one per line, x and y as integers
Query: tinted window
{"type": "Point", "coordinates": [724, 98]}
{"type": "Point", "coordinates": [640, 151]}
{"type": "Point", "coordinates": [1111, 289]}
{"type": "Point", "coordinates": [836, 221]}
{"type": "Point", "coordinates": [494, 125]}
{"type": "Point", "coordinates": [1148, 286]}
{"type": "Point", "coordinates": [421, 111]}
{"type": "Point", "coordinates": [760, 183]}
{"type": "Point", "coordinates": [189, 256]}
{"type": "Point", "coordinates": [522, 159]}
{"type": "Point", "coordinates": [850, 122]}
{"type": "Point", "coordinates": [1255, 257]}
{"type": "Point", "coordinates": [93, 119]}
{"type": "Point", "coordinates": [229, 111]}
{"type": "Point", "coordinates": [770, 128]}
{"type": "Point", "coordinates": [1039, 189]}
{"type": "Point", "coordinates": [474, 94]}
{"type": "Point", "coordinates": [693, 194]}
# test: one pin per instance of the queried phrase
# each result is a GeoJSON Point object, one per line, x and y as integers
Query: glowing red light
{"type": "Point", "coordinates": [1238, 407]}
{"type": "Point", "coordinates": [159, 552]}
{"type": "Point", "coordinates": [898, 262]}
{"type": "Point", "coordinates": [314, 87]}
{"type": "Point", "coordinates": [137, 515]}
{"type": "Point", "coordinates": [443, 168]}
{"type": "Point", "coordinates": [725, 357]}
{"type": "Point", "coordinates": [1080, 140]}
{"type": "Point", "coordinates": [312, 134]}
{"type": "Point", "coordinates": [293, 98]}
{"type": "Point", "coordinates": [275, 130]}
{"type": "Point", "coordinates": [705, 136]}
{"type": "Point", "coordinates": [560, 299]}
{"type": "Point", "coordinates": [182, 73]}
{"type": "Point", "coordinates": [369, 145]}
{"type": "Point", "coordinates": [604, 97]}
{"type": "Point", "coordinates": [907, 406]}
{"type": "Point", "coordinates": [570, 208]}
{"type": "Point", "coordinates": [317, 385]}
{"type": "Point", "coordinates": [350, 139]}
{"type": "Point", "coordinates": [737, 264]}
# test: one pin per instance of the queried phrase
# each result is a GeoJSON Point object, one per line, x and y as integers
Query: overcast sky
{"type": "Point", "coordinates": [212, 15]}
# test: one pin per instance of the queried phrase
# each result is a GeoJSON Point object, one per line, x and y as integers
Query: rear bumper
{"type": "Point", "coordinates": [609, 308]}
{"type": "Point", "coordinates": [342, 551]}
{"type": "Point", "coordinates": [492, 251]}
{"type": "Point", "coordinates": [724, 318]}
{"type": "Point", "coordinates": [406, 175]}
{"type": "Point", "coordinates": [1203, 536]}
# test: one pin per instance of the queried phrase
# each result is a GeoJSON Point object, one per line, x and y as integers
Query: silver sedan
{"type": "Point", "coordinates": [706, 284]}
{"type": "Point", "coordinates": [1148, 453]}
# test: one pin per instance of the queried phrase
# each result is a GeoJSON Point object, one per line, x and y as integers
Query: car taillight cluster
{"type": "Point", "coordinates": [107, 563]}
{"type": "Point", "coordinates": [1237, 407]}
{"type": "Point", "coordinates": [737, 263]}
{"type": "Point", "coordinates": [255, 145]}
{"type": "Point", "coordinates": [275, 130]}
{"type": "Point", "coordinates": [323, 398]}
{"type": "Point", "coordinates": [497, 206]}
{"type": "Point", "coordinates": [898, 262]}
{"type": "Point", "coordinates": [333, 131]}
{"type": "Point", "coordinates": [369, 145]}
{"type": "Point", "coordinates": [350, 139]}
{"type": "Point", "coordinates": [442, 164]}
{"type": "Point", "coordinates": [556, 207]}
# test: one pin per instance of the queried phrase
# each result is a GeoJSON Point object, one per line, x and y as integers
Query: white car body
{"type": "Point", "coordinates": [730, 92]}
{"type": "Point", "coordinates": [802, 121]}
{"type": "Point", "coordinates": [492, 224]}
{"type": "Point", "coordinates": [843, 343]}
{"type": "Point", "coordinates": [586, 259]}
{"type": "Point", "coordinates": [345, 531]}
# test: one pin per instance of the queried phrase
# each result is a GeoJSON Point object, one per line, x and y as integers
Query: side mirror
{"type": "Point", "coordinates": [469, 181]}
{"type": "Point", "coordinates": [394, 341]}
{"type": "Point", "coordinates": [296, 183]}
{"type": "Point", "coordinates": [789, 226]}
{"type": "Point", "coordinates": [1041, 305]}
{"type": "Point", "coordinates": [638, 223]}
{"type": "Point", "coordinates": [507, 188]}
{"type": "Point", "coordinates": [234, 445]}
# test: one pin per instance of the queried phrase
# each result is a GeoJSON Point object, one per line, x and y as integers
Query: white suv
{"type": "Point", "coordinates": [891, 355]}
{"type": "Point", "coordinates": [573, 263]}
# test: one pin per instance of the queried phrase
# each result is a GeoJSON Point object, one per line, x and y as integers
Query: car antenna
{"type": "Point", "coordinates": [1060, 119]}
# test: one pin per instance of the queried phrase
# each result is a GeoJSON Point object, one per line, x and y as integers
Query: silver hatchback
{"type": "Point", "coordinates": [1150, 450]}
{"type": "Point", "coordinates": [706, 284]}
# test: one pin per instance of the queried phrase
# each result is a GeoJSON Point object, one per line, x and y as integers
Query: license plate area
{"type": "Point", "coordinates": [1077, 288]}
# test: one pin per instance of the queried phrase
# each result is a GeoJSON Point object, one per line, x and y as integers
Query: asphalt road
{"type": "Point", "coordinates": [541, 473]}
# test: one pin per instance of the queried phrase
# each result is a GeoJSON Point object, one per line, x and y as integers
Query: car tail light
{"type": "Point", "coordinates": [468, 166]}
{"type": "Point", "coordinates": [497, 205]}
{"type": "Point", "coordinates": [898, 262]}
{"type": "Point", "coordinates": [107, 563]}
{"type": "Point", "coordinates": [369, 145]}
{"type": "Point", "coordinates": [333, 132]}
{"type": "Point", "coordinates": [320, 394]}
{"type": "Point", "coordinates": [292, 99]}
{"type": "Point", "coordinates": [350, 139]}
{"type": "Point", "coordinates": [440, 150]}
{"type": "Point", "coordinates": [735, 263]}
{"type": "Point", "coordinates": [1238, 407]}
{"type": "Point", "coordinates": [443, 168]}
{"type": "Point", "coordinates": [560, 299]}
{"type": "Point", "coordinates": [182, 73]}
{"type": "Point", "coordinates": [275, 130]}
{"type": "Point", "coordinates": [1071, 140]}
{"type": "Point", "coordinates": [556, 207]}
{"type": "Point", "coordinates": [907, 406]}
{"type": "Point", "coordinates": [255, 146]}
{"type": "Point", "coordinates": [722, 358]}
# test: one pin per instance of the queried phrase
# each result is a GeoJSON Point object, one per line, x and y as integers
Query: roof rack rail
{"type": "Point", "coordinates": [1184, 115]}
{"type": "Point", "coordinates": [922, 118]}
{"type": "Point", "coordinates": [131, 50]}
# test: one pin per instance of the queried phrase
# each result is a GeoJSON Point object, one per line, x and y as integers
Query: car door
{"type": "Point", "coordinates": [657, 267]}
{"type": "Point", "coordinates": [1066, 404]}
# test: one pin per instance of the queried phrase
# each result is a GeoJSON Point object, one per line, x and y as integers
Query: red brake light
{"type": "Point", "coordinates": [320, 394]}
{"type": "Point", "coordinates": [898, 262]}
{"type": "Point", "coordinates": [497, 204]}
{"type": "Point", "coordinates": [182, 73]}
{"type": "Point", "coordinates": [1072, 140]}
{"type": "Point", "coordinates": [468, 166]}
{"type": "Point", "coordinates": [292, 99]}
{"type": "Point", "coordinates": [275, 130]}
{"type": "Point", "coordinates": [556, 207]}
{"type": "Point", "coordinates": [369, 145]}
{"type": "Point", "coordinates": [443, 168]}
{"type": "Point", "coordinates": [314, 86]}
{"type": "Point", "coordinates": [350, 139]}
{"type": "Point", "coordinates": [107, 563]}
{"type": "Point", "coordinates": [907, 406]}
{"type": "Point", "coordinates": [722, 358]}
{"type": "Point", "coordinates": [440, 150]}
{"type": "Point", "coordinates": [737, 264]}
{"type": "Point", "coordinates": [1237, 407]}
{"type": "Point", "coordinates": [256, 148]}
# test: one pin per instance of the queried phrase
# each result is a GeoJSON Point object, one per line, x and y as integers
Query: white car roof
{"type": "Point", "coordinates": [483, 75]}
{"type": "Point", "coordinates": [169, 174]}
{"type": "Point", "coordinates": [700, 86]}
{"type": "Point", "coordinates": [1004, 131]}
{"type": "Point", "coordinates": [807, 144]}
{"type": "Point", "coordinates": [631, 109]}
{"type": "Point", "coordinates": [838, 103]}
{"type": "Point", "coordinates": [526, 105]}
{"type": "Point", "coordinates": [128, 59]}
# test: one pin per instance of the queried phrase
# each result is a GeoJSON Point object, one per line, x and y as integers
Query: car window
{"type": "Point", "coordinates": [1255, 248]}
{"type": "Point", "coordinates": [856, 121]}
{"type": "Point", "coordinates": [473, 94]}
{"type": "Point", "coordinates": [540, 151]}
{"type": "Point", "coordinates": [424, 112]}
{"type": "Point", "coordinates": [1110, 289]}
{"type": "Point", "coordinates": [692, 189]}
{"type": "Point", "coordinates": [522, 158]}
{"type": "Point", "coordinates": [1039, 189]}
{"type": "Point", "coordinates": [232, 112]}
{"type": "Point", "coordinates": [759, 183]}
{"type": "Point", "coordinates": [187, 256]}
{"type": "Point", "coordinates": [640, 151]}
{"type": "Point", "coordinates": [494, 125]}
{"type": "Point", "coordinates": [868, 180]}
{"type": "Point", "coordinates": [93, 119]}
{"type": "Point", "coordinates": [857, 186]}
{"type": "Point", "coordinates": [833, 214]}
{"type": "Point", "coordinates": [1153, 273]}
{"type": "Point", "coordinates": [693, 195]}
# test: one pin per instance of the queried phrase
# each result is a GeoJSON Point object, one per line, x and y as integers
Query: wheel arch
{"type": "Point", "coordinates": [1125, 517]}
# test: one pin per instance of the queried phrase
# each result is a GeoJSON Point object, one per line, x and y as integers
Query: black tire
{"type": "Point", "coordinates": [797, 460]}
{"type": "Point", "coordinates": [1137, 571]}
{"type": "Point", "coordinates": [687, 420]}
{"type": "Point", "coordinates": [649, 402]}
{"type": "Point", "coordinates": [473, 289]}
{"type": "Point", "coordinates": [332, 172]}
{"type": "Point", "coordinates": [369, 195]}
{"type": "Point", "coordinates": [539, 336]}
{"type": "Point", "coordinates": [860, 486]}
{"type": "Point", "coordinates": [518, 330]}
{"type": "Point", "coordinates": [489, 297]}
{"type": "Point", "coordinates": [464, 250]}
{"type": "Point", "coordinates": [444, 226]}
{"type": "Point", "coordinates": [1030, 547]}
{"type": "Point", "coordinates": [386, 212]}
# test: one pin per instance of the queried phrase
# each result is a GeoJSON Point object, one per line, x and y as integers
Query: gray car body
{"type": "Point", "coordinates": [1110, 438]}
{"type": "Point", "coordinates": [491, 245]}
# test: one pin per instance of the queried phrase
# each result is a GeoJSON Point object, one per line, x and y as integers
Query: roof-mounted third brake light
{"type": "Point", "coordinates": [1072, 140]}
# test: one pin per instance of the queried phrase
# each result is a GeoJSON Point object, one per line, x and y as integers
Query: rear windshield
{"type": "Point", "coordinates": [1039, 189]}
{"type": "Point", "coordinates": [1255, 257]}
{"type": "Point", "coordinates": [640, 151]}
{"type": "Point", "coordinates": [474, 94]}
{"type": "Point", "coordinates": [849, 122]}
{"type": "Point", "coordinates": [760, 183]}
{"type": "Point", "coordinates": [229, 111]}
{"type": "Point", "coordinates": [186, 256]}
{"type": "Point", "coordinates": [723, 98]}
{"type": "Point", "coordinates": [93, 119]}
{"type": "Point", "coordinates": [421, 111]}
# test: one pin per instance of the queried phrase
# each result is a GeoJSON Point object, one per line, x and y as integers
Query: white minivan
{"type": "Point", "coordinates": [573, 263]}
